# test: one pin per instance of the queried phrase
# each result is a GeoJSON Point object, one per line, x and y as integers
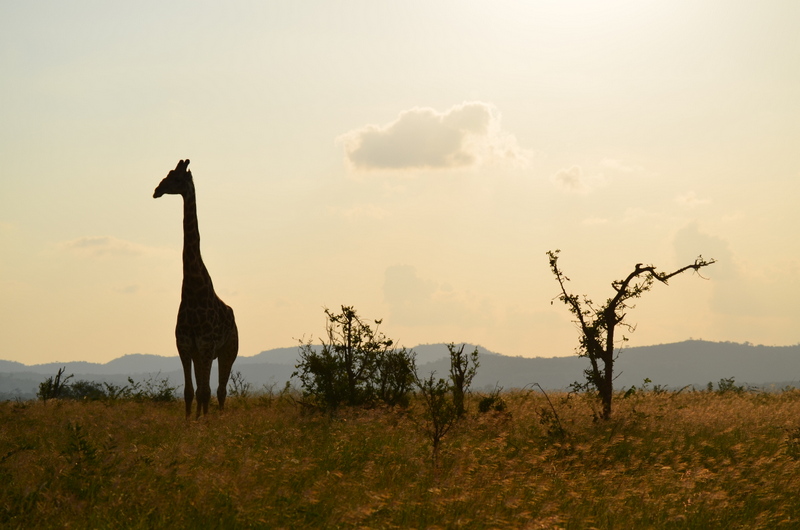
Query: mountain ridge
{"type": "Point", "coordinates": [690, 362]}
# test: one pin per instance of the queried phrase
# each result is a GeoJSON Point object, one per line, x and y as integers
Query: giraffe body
{"type": "Point", "coordinates": [206, 328]}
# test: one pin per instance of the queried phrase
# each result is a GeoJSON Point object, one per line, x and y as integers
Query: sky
{"type": "Point", "coordinates": [415, 160]}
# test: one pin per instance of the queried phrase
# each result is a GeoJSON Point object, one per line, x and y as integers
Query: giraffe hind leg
{"type": "Point", "coordinates": [225, 363]}
{"type": "Point", "coordinates": [188, 387]}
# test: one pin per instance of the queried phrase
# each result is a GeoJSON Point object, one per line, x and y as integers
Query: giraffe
{"type": "Point", "coordinates": [206, 329]}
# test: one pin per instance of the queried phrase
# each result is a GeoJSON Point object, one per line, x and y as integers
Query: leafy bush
{"type": "Point", "coordinates": [86, 390]}
{"type": "Point", "coordinates": [439, 411]}
{"type": "Point", "coordinates": [239, 387]}
{"type": "Point", "coordinates": [727, 385]}
{"type": "Point", "coordinates": [655, 389]}
{"type": "Point", "coordinates": [114, 392]}
{"type": "Point", "coordinates": [492, 402]}
{"type": "Point", "coordinates": [357, 365]}
{"type": "Point", "coordinates": [147, 390]}
{"type": "Point", "coordinates": [53, 387]}
{"type": "Point", "coordinates": [395, 376]}
{"type": "Point", "coordinates": [443, 400]}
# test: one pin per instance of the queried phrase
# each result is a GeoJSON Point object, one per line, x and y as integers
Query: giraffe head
{"type": "Point", "coordinates": [177, 182]}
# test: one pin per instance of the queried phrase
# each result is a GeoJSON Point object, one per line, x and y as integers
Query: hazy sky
{"type": "Point", "coordinates": [413, 159]}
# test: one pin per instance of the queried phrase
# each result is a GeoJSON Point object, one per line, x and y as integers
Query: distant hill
{"type": "Point", "coordinates": [675, 365]}
{"type": "Point", "coordinates": [135, 363]}
{"type": "Point", "coordinates": [698, 362]}
{"type": "Point", "coordinates": [426, 353]}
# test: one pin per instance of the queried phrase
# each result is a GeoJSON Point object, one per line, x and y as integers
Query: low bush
{"type": "Point", "coordinates": [150, 389]}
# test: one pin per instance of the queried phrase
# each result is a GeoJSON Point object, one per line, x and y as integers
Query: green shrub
{"type": "Point", "coordinates": [357, 365]}
{"type": "Point", "coordinates": [54, 387]}
{"type": "Point", "coordinates": [493, 401]}
{"type": "Point", "coordinates": [151, 389]}
{"type": "Point", "coordinates": [439, 412]}
{"type": "Point", "coordinates": [86, 390]}
{"type": "Point", "coordinates": [728, 385]}
{"type": "Point", "coordinates": [239, 387]}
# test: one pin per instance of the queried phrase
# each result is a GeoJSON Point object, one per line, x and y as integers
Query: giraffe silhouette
{"type": "Point", "coordinates": [206, 328]}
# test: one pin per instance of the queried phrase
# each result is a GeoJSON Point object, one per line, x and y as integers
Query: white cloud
{"type": "Point", "coordinates": [99, 246]}
{"type": "Point", "coordinates": [363, 211]}
{"type": "Point", "coordinates": [634, 214]}
{"type": "Point", "coordinates": [573, 180]}
{"type": "Point", "coordinates": [738, 291]}
{"type": "Point", "coordinates": [689, 243]}
{"type": "Point", "coordinates": [691, 200]}
{"type": "Point", "coordinates": [466, 135]}
{"type": "Point", "coordinates": [616, 165]}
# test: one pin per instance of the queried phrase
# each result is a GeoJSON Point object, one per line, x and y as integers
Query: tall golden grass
{"type": "Point", "coordinates": [688, 460]}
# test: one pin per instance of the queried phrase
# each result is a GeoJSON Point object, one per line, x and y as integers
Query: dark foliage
{"type": "Point", "coordinates": [357, 365]}
{"type": "Point", "coordinates": [147, 390]}
{"type": "Point", "coordinates": [439, 412]}
{"type": "Point", "coordinates": [54, 387]}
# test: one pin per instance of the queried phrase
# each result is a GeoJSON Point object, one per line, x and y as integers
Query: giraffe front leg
{"type": "Point", "coordinates": [188, 388]}
{"type": "Point", "coordinates": [202, 374]}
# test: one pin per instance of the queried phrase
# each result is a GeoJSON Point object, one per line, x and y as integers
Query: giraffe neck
{"type": "Point", "coordinates": [195, 274]}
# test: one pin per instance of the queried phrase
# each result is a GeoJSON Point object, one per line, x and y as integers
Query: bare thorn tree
{"type": "Point", "coordinates": [598, 324]}
{"type": "Point", "coordinates": [463, 368]}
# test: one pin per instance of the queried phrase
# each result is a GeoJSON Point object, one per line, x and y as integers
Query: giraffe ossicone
{"type": "Point", "coordinates": [206, 328]}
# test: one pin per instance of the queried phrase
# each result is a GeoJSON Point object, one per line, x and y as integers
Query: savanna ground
{"type": "Point", "coordinates": [664, 460]}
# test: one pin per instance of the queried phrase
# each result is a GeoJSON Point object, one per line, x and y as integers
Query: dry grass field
{"type": "Point", "coordinates": [665, 460]}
